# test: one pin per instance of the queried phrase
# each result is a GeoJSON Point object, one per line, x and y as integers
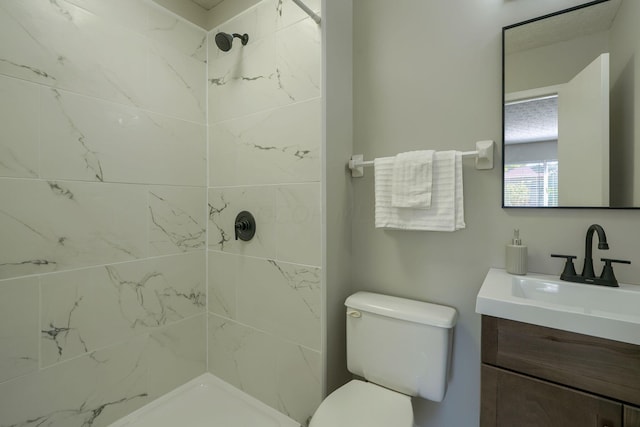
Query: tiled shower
{"type": "Point", "coordinates": [264, 157]}
{"type": "Point", "coordinates": [127, 146]}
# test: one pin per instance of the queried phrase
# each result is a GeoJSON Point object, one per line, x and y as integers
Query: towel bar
{"type": "Point", "coordinates": [483, 155]}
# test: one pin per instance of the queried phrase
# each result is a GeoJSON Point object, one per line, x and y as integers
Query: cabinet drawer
{"type": "Point", "coordinates": [631, 416]}
{"type": "Point", "coordinates": [514, 400]}
{"type": "Point", "coordinates": [609, 368]}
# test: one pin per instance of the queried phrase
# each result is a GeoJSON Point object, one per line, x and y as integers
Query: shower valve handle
{"type": "Point", "coordinates": [245, 226]}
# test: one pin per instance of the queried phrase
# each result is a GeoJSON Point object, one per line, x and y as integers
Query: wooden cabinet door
{"type": "Point", "coordinates": [514, 400]}
{"type": "Point", "coordinates": [595, 365]}
{"type": "Point", "coordinates": [631, 416]}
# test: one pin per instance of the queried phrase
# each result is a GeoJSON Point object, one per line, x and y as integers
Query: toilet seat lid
{"type": "Point", "coordinates": [360, 403]}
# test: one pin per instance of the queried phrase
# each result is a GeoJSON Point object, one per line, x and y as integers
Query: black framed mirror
{"type": "Point", "coordinates": [571, 108]}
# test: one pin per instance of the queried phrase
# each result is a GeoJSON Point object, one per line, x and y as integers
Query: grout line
{"type": "Point", "coordinates": [87, 267]}
{"type": "Point", "coordinates": [105, 100]}
{"type": "Point", "coordinates": [268, 109]}
{"type": "Point", "coordinates": [267, 333]}
{"type": "Point", "coordinates": [147, 222]}
{"type": "Point", "coordinates": [39, 331]}
{"type": "Point", "coordinates": [262, 331]}
{"type": "Point", "coordinates": [39, 142]}
{"type": "Point", "coordinates": [256, 257]}
{"type": "Point", "coordinates": [284, 184]}
{"type": "Point", "coordinates": [121, 341]}
{"type": "Point", "coordinates": [84, 181]}
{"type": "Point", "coordinates": [206, 204]}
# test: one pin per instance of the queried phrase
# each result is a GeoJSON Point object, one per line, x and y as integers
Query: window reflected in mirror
{"type": "Point", "coordinates": [531, 150]}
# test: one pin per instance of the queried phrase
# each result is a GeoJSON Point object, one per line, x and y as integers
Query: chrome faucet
{"type": "Point", "coordinates": [587, 270]}
{"type": "Point", "coordinates": [607, 278]}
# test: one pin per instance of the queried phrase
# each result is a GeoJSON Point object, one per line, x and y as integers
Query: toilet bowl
{"type": "Point", "coordinates": [402, 348]}
{"type": "Point", "coordinates": [360, 403]}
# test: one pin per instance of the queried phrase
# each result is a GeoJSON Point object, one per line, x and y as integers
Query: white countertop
{"type": "Point", "coordinates": [600, 311]}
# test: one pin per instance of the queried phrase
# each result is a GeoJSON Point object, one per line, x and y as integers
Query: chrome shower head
{"type": "Point", "coordinates": [224, 40]}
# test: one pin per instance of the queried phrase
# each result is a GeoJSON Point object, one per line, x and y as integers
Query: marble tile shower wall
{"type": "Point", "coordinates": [264, 157]}
{"type": "Point", "coordinates": [102, 208]}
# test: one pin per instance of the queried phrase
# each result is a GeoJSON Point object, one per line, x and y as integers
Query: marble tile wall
{"type": "Point", "coordinates": [264, 120]}
{"type": "Point", "coordinates": [104, 217]}
{"type": "Point", "coordinates": [102, 208]}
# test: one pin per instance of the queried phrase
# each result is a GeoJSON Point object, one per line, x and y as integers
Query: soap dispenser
{"type": "Point", "coordinates": [516, 259]}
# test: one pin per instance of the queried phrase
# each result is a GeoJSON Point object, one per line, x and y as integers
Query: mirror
{"type": "Point", "coordinates": [571, 110]}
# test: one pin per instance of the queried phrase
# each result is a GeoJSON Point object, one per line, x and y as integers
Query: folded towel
{"type": "Point", "coordinates": [412, 178]}
{"type": "Point", "coordinates": [447, 203]}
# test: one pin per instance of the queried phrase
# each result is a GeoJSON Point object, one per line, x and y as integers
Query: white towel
{"type": "Point", "coordinates": [447, 204]}
{"type": "Point", "coordinates": [412, 178]}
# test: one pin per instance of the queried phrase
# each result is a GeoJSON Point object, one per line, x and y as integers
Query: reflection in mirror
{"type": "Point", "coordinates": [571, 107]}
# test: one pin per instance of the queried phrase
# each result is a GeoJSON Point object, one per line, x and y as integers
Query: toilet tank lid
{"type": "Point", "coordinates": [404, 309]}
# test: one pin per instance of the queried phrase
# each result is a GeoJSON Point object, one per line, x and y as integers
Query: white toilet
{"type": "Point", "coordinates": [402, 348]}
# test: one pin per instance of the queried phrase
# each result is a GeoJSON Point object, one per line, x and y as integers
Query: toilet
{"type": "Point", "coordinates": [401, 348]}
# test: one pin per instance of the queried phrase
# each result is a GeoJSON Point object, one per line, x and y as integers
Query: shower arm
{"type": "Point", "coordinates": [309, 12]}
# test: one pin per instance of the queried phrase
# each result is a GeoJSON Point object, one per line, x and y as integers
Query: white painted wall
{"type": "Point", "coordinates": [550, 65]}
{"type": "Point", "coordinates": [625, 105]}
{"type": "Point", "coordinates": [337, 195]}
{"type": "Point", "coordinates": [427, 74]}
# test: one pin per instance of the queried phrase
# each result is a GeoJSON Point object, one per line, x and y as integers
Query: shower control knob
{"type": "Point", "coordinates": [245, 226]}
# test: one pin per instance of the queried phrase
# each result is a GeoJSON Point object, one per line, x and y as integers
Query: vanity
{"type": "Point", "coordinates": [558, 353]}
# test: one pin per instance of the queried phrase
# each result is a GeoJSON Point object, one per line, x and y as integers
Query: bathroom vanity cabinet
{"type": "Point", "coordinates": [543, 377]}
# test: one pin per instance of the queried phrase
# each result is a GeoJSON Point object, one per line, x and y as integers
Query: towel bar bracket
{"type": "Point", "coordinates": [483, 157]}
{"type": "Point", "coordinates": [356, 166]}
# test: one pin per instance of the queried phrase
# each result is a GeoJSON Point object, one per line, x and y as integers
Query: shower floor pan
{"type": "Point", "coordinates": [206, 401]}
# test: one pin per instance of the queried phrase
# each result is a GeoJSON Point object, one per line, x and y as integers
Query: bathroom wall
{"type": "Point", "coordinates": [528, 69]}
{"type": "Point", "coordinates": [337, 196]}
{"type": "Point", "coordinates": [265, 133]}
{"type": "Point", "coordinates": [102, 212]}
{"type": "Point", "coordinates": [428, 75]}
{"type": "Point", "coordinates": [625, 105]}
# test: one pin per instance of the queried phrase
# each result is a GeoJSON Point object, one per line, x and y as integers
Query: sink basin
{"type": "Point", "coordinates": [597, 300]}
{"type": "Point", "coordinates": [612, 313]}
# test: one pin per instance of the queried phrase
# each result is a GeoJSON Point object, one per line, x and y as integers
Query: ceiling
{"type": "Point", "coordinates": [206, 14]}
{"type": "Point", "coordinates": [561, 27]}
{"type": "Point", "coordinates": [207, 4]}
{"type": "Point", "coordinates": [519, 126]}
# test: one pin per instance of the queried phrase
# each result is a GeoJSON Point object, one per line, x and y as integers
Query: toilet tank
{"type": "Point", "coordinates": [401, 344]}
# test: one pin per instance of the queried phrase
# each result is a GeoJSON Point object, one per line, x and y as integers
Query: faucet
{"type": "Point", "coordinates": [607, 278]}
{"type": "Point", "coordinates": [587, 270]}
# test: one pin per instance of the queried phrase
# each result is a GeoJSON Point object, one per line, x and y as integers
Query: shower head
{"type": "Point", "coordinates": [224, 40]}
